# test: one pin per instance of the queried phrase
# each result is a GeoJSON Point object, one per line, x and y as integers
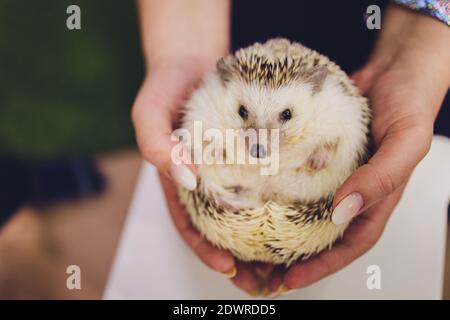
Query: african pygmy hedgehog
{"type": "Point", "coordinates": [322, 125]}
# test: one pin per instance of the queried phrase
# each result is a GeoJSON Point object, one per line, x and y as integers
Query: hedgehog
{"type": "Point", "coordinates": [315, 126]}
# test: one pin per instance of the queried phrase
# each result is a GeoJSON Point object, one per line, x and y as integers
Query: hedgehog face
{"type": "Point", "coordinates": [274, 92]}
{"type": "Point", "coordinates": [285, 110]}
{"type": "Point", "coordinates": [303, 104]}
{"type": "Point", "coordinates": [302, 116]}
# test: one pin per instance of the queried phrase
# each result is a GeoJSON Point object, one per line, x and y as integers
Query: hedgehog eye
{"type": "Point", "coordinates": [243, 112]}
{"type": "Point", "coordinates": [285, 115]}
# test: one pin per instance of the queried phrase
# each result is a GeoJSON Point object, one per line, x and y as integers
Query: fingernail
{"type": "Point", "coordinates": [230, 273]}
{"type": "Point", "coordinates": [254, 293]}
{"type": "Point", "coordinates": [266, 292]}
{"type": "Point", "coordinates": [347, 208]}
{"type": "Point", "coordinates": [182, 175]}
{"type": "Point", "coordinates": [269, 294]}
{"type": "Point", "coordinates": [283, 290]}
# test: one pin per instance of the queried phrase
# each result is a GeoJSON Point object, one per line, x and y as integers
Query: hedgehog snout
{"type": "Point", "coordinates": [258, 151]}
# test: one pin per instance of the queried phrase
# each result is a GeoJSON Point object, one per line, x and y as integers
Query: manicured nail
{"type": "Point", "coordinates": [266, 292]}
{"type": "Point", "coordinates": [182, 175]}
{"type": "Point", "coordinates": [347, 208]}
{"type": "Point", "coordinates": [283, 290]}
{"type": "Point", "coordinates": [230, 273]}
{"type": "Point", "coordinates": [254, 293]}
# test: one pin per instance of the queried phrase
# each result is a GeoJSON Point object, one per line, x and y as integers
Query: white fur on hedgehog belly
{"type": "Point", "coordinates": [265, 233]}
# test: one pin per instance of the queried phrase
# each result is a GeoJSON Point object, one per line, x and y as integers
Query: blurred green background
{"type": "Point", "coordinates": [64, 91]}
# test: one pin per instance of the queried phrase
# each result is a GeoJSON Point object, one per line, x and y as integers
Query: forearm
{"type": "Point", "coordinates": [178, 30]}
{"type": "Point", "coordinates": [425, 55]}
{"type": "Point", "coordinates": [417, 47]}
{"type": "Point", "coordinates": [427, 44]}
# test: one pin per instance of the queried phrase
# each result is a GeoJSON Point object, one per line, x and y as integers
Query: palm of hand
{"type": "Point", "coordinates": [397, 127]}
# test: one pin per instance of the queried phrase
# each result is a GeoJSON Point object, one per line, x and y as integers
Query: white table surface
{"type": "Point", "coordinates": [152, 262]}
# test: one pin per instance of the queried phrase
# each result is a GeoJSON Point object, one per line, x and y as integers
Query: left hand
{"type": "Point", "coordinates": [406, 80]}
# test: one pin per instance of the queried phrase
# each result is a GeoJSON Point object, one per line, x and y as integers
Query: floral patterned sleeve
{"type": "Point", "coordinates": [440, 9]}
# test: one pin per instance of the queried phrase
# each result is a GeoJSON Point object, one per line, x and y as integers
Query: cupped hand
{"type": "Point", "coordinates": [406, 80]}
{"type": "Point", "coordinates": [155, 115]}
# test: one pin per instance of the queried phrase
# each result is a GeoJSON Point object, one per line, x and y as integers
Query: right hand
{"type": "Point", "coordinates": [155, 112]}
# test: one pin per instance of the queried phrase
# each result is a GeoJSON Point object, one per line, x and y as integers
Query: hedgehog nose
{"type": "Point", "coordinates": [257, 151]}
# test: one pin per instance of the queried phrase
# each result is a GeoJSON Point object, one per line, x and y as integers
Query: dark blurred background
{"type": "Point", "coordinates": [334, 28]}
{"type": "Point", "coordinates": [62, 91]}
{"type": "Point", "coordinates": [70, 92]}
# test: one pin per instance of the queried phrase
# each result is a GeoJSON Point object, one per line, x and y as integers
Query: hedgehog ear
{"type": "Point", "coordinates": [317, 77]}
{"type": "Point", "coordinates": [225, 68]}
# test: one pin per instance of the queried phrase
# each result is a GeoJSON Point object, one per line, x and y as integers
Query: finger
{"type": "Point", "coordinates": [363, 78]}
{"type": "Point", "coordinates": [246, 279]}
{"type": "Point", "coordinates": [401, 149]}
{"type": "Point", "coordinates": [215, 258]}
{"type": "Point", "coordinates": [274, 284]}
{"type": "Point", "coordinates": [152, 119]}
{"type": "Point", "coordinates": [362, 234]}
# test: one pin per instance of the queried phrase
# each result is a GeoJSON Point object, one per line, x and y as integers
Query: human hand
{"type": "Point", "coordinates": [155, 114]}
{"type": "Point", "coordinates": [406, 80]}
{"type": "Point", "coordinates": [181, 41]}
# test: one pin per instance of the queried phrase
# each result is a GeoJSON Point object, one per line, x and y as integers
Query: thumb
{"type": "Point", "coordinates": [399, 152]}
{"type": "Point", "coordinates": [152, 119]}
{"type": "Point", "coordinates": [363, 78]}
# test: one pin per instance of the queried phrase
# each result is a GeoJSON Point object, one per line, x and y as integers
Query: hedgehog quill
{"type": "Point", "coordinates": [316, 122]}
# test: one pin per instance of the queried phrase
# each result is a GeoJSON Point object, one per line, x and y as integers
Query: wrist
{"type": "Point", "coordinates": [427, 50]}
{"type": "Point", "coordinates": [186, 60]}
{"type": "Point", "coordinates": [437, 9]}
{"type": "Point", "coordinates": [179, 32]}
{"type": "Point", "coordinates": [413, 41]}
{"type": "Point", "coordinates": [189, 65]}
